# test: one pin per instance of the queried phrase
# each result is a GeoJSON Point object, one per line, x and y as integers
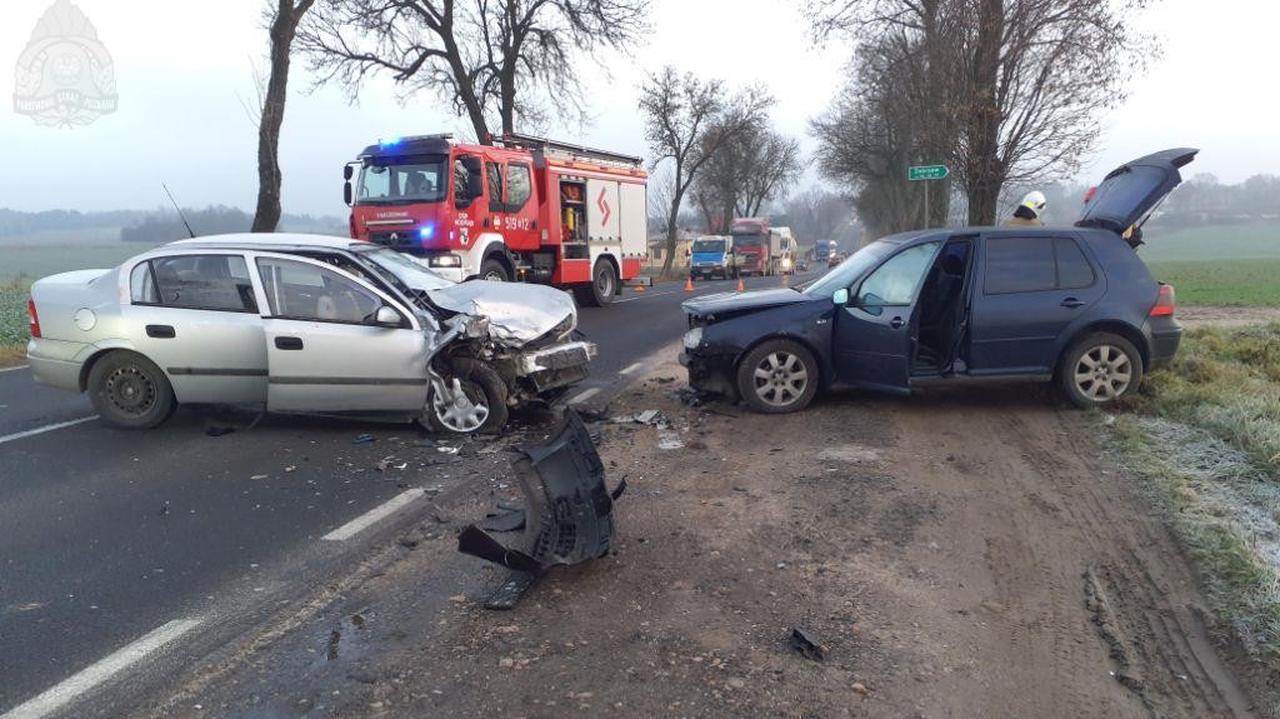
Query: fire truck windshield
{"type": "Point", "coordinates": [394, 180]}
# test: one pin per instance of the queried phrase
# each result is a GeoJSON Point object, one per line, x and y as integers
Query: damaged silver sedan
{"type": "Point", "coordinates": [301, 324]}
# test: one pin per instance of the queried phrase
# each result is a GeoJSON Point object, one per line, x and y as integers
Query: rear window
{"type": "Point", "coordinates": [1020, 264]}
{"type": "Point", "coordinates": [1035, 264]}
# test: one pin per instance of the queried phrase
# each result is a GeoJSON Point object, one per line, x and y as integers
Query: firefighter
{"type": "Point", "coordinates": [1028, 212]}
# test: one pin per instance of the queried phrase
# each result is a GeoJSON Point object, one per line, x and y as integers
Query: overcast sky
{"type": "Point", "coordinates": [183, 68]}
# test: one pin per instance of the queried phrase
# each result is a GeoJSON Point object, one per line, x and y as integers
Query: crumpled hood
{"type": "Point", "coordinates": [737, 302]}
{"type": "Point", "coordinates": [518, 313]}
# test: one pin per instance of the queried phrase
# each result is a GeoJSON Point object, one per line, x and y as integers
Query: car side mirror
{"type": "Point", "coordinates": [347, 171]}
{"type": "Point", "coordinates": [346, 191]}
{"type": "Point", "coordinates": [840, 298]}
{"type": "Point", "coordinates": [387, 317]}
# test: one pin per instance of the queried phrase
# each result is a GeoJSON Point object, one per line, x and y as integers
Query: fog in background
{"type": "Point", "coordinates": [185, 70]}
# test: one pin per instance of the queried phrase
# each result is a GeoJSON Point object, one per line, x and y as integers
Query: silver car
{"type": "Point", "coordinates": [301, 324]}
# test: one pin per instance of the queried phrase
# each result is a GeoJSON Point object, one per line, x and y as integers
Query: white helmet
{"type": "Point", "coordinates": [1034, 201]}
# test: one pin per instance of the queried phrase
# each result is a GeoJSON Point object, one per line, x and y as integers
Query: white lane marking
{"type": "Point", "coordinates": [78, 684]}
{"type": "Point", "coordinates": [46, 428]}
{"type": "Point", "coordinates": [12, 369]}
{"type": "Point", "coordinates": [364, 521]}
{"type": "Point", "coordinates": [631, 368]}
{"type": "Point", "coordinates": [625, 299]}
{"type": "Point", "coordinates": [584, 395]}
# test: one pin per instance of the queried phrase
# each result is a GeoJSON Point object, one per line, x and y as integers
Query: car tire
{"type": "Point", "coordinates": [486, 393]}
{"type": "Point", "coordinates": [494, 270]}
{"type": "Point", "coordinates": [604, 285]}
{"type": "Point", "coordinates": [777, 377]}
{"type": "Point", "coordinates": [1099, 369]}
{"type": "Point", "coordinates": [129, 391]}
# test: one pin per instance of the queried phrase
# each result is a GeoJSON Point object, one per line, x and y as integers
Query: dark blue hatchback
{"type": "Point", "coordinates": [1071, 305]}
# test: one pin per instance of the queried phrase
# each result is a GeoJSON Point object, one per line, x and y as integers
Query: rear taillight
{"type": "Point", "coordinates": [1166, 302]}
{"type": "Point", "coordinates": [34, 317]}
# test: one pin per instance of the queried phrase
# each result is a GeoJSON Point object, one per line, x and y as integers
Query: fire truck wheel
{"type": "Point", "coordinates": [602, 288]}
{"type": "Point", "coordinates": [493, 270]}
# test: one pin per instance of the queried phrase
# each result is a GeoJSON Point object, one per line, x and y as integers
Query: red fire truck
{"type": "Point", "coordinates": [525, 209]}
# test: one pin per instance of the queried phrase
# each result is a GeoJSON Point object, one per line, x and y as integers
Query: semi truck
{"type": "Point", "coordinates": [822, 250]}
{"type": "Point", "coordinates": [750, 246]}
{"type": "Point", "coordinates": [782, 248]}
{"type": "Point", "coordinates": [711, 256]}
{"type": "Point", "coordinates": [524, 209]}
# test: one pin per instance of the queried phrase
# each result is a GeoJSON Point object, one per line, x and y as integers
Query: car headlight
{"type": "Point", "coordinates": [444, 261]}
{"type": "Point", "coordinates": [693, 338]}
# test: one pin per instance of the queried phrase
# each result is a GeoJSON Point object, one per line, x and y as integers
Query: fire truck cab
{"type": "Point", "coordinates": [526, 209]}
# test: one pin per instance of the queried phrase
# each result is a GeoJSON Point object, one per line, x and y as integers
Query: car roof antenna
{"type": "Point", "coordinates": [179, 209]}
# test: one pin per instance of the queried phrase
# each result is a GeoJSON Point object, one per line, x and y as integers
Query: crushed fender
{"type": "Point", "coordinates": [568, 513]}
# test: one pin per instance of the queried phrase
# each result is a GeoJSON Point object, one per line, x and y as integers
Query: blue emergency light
{"type": "Point", "coordinates": [427, 232]}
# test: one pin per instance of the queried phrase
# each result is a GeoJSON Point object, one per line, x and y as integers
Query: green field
{"type": "Point", "coordinates": [1214, 242]}
{"type": "Point", "coordinates": [1223, 282]}
{"type": "Point", "coordinates": [31, 262]}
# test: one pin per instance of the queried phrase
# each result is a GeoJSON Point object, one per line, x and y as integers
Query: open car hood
{"type": "Point", "coordinates": [518, 313]}
{"type": "Point", "coordinates": [1129, 193]}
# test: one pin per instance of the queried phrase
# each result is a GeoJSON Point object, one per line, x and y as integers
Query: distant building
{"type": "Point", "coordinates": [658, 249]}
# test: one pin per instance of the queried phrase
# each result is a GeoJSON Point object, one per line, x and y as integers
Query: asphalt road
{"type": "Point", "coordinates": [173, 537]}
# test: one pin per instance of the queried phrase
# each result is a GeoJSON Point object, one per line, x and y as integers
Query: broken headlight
{"type": "Point", "coordinates": [693, 338]}
{"type": "Point", "coordinates": [476, 327]}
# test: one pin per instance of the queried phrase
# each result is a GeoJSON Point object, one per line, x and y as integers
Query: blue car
{"type": "Point", "coordinates": [1070, 305]}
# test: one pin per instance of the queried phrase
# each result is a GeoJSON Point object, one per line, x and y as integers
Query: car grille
{"type": "Point", "coordinates": [395, 238]}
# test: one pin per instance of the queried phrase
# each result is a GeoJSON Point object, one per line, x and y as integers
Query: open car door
{"type": "Point", "coordinates": [327, 348]}
{"type": "Point", "coordinates": [1130, 193]}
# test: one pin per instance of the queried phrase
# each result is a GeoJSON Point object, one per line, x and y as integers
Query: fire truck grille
{"type": "Point", "coordinates": [399, 238]}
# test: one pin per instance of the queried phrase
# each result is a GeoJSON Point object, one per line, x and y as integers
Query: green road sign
{"type": "Point", "coordinates": [927, 172]}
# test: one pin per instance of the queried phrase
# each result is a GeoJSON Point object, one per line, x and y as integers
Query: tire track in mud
{"type": "Point", "coordinates": [1150, 625]}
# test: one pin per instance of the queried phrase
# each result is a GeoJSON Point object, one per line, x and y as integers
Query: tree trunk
{"type": "Point", "coordinates": [267, 215]}
{"type": "Point", "coordinates": [673, 219]}
{"type": "Point", "coordinates": [985, 171]}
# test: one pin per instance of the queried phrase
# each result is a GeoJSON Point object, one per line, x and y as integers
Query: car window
{"type": "Point", "coordinates": [297, 290]}
{"type": "Point", "coordinates": [142, 285]}
{"type": "Point", "coordinates": [1020, 264]}
{"type": "Point", "coordinates": [519, 187]}
{"type": "Point", "coordinates": [197, 282]}
{"type": "Point", "coordinates": [495, 187]}
{"type": "Point", "coordinates": [1074, 270]}
{"type": "Point", "coordinates": [894, 283]}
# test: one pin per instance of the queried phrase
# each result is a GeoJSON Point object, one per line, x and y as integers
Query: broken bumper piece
{"type": "Point", "coordinates": [559, 357]}
{"type": "Point", "coordinates": [568, 513]}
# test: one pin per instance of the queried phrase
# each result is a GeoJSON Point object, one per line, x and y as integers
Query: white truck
{"type": "Point", "coordinates": [782, 249]}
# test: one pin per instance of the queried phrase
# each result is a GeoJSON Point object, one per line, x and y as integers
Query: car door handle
{"type": "Point", "coordinates": [288, 343]}
{"type": "Point", "coordinates": [1072, 303]}
{"type": "Point", "coordinates": [162, 332]}
{"type": "Point", "coordinates": [896, 323]}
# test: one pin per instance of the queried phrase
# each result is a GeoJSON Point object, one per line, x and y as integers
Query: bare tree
{"type": "Point", "coordinates": [687, 121]}
{"type": "Point", "coordinates": [1008, 90]}
{"type": "Point", "coordinates": [283, 17]}
{"type": "Point", "coordinates": [772, 166]}
{"type": "Point", "coordinates": [494, 61]}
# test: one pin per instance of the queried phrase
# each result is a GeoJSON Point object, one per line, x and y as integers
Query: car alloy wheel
{"type": "Point", "coordinates": [1103, 373]}
{"type": "Point", "coordinates": [466, 412]}
{"type": "Point", "coordinates": [780, 379]}
{"type": "Point", "coordinates": [130, 391]}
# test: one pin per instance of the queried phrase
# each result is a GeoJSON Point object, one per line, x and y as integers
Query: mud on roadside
{"type": "Point", "coordinates": [962, 555]}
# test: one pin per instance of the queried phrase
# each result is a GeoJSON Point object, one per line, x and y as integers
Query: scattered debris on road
{"type": "Point", "coordinates": [364, 439]}
{"type": "Point", "coordinates": [803, 642]}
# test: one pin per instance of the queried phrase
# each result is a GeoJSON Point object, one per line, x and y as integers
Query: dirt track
{"type": "Point", "coordinates": [960, 555]}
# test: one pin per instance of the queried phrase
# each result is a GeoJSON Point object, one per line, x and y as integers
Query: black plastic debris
{"type": "Point", "coordinates": [803, 642]}
{"type": "Point", "coordinates": [568, 513]}
{"type": "Point", "coordinates": [505, 521]}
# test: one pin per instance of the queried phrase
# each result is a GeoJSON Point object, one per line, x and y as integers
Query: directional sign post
{"type": "Point", "coordinates": [927, 172]}
{"type": "Point", "coordinates": [924, 173]}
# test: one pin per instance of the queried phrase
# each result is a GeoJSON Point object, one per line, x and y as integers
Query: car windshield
{"type": "Point", "coordinates": [751, 240]}
{"type": "Point", "coordinates": [708, 246]}
{"type": "Point", "coordinates": [403, 179]}
{"type": "Point", "coordinates": [843, 274]}
{"type": "Point", "coordinates": [403, 272]}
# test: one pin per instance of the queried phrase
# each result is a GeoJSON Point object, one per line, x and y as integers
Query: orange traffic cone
{"type": "Point", "coordinates": [741, 287]}
{"type": "Point", "coordinates": [639, 288]}
{"type": "Point", "coordinates": [688, 284]}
